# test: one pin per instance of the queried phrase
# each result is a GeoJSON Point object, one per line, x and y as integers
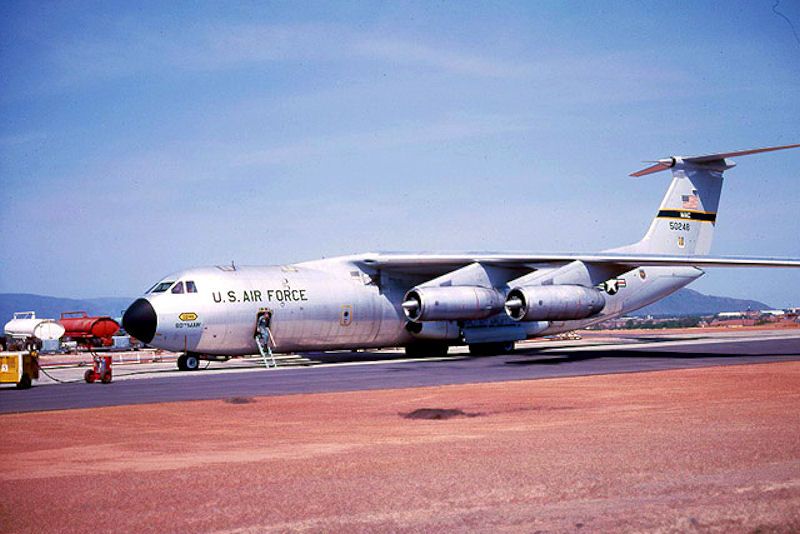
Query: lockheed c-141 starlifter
{"type": "Point", "coordinates": [428, 302]}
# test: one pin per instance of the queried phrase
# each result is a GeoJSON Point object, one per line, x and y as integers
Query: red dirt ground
{"type": "Point", "coordinates": [714, 449]}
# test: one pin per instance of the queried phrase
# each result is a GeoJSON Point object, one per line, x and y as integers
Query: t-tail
{"type": "Point", "coordinates": [684, 224]}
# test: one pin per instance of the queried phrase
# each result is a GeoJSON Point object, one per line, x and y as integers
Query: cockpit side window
{"type": "Point", "coordinates": [190, 287]}
{"type": "Point", "coordinates": [177, 288]}
{"type": "Point", "coordinates": [162, 286]}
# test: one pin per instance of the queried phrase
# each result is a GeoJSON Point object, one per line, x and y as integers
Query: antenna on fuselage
{"type": "Point", "coordinates": [233, 266]}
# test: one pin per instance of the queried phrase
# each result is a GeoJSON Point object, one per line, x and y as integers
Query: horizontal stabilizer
{"type": "Point", "coordinates": [668, 163]}
{"type": "Point", "coordinates": [661, 165]}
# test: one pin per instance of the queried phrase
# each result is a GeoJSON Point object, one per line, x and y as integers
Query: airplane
{"type": "Point", "coordinates": [428, 302]}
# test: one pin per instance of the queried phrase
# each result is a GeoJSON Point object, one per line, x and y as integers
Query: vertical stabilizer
{"type": "Point", "coordinates": [685, 222]}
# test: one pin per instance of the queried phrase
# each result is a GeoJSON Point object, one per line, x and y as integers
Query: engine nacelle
{"type": "Point", "coordinates": [451, 303]}
{"type": "Point", "coordinates": [553, 303]}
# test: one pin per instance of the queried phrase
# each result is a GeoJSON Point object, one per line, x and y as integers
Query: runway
{"type": "Point", "coordinates": [374, 371]}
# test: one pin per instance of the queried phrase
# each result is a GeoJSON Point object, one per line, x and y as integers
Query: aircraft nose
{"type": "Point", "coordinates": [140, 320]}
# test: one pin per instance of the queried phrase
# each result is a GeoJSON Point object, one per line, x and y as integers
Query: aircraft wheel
{"type": "Point", "coordinates": [106, 378]}
{"type": "Point", "coordinates": [478, 349]}
{"type": "Point", "coordinates": [490, 349]}
{"type": "Point", "coordinates": [188, 362]}
{"type": "Point", "coordinates": [431, 350]}
{"type": "Point", "coordinates": [89, 376]}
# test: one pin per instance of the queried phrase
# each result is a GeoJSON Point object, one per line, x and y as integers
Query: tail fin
{"type": "Point", "coordinates": [684, 225]}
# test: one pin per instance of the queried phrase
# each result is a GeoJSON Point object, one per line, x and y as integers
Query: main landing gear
{"type": "Point", "coordinates": [427, 350]}
{"type": "Point", "coordinates": [188, 362]}
{"type": "Point", "coordinates": [491, 349]}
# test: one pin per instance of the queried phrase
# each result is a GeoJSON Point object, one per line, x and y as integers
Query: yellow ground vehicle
{"type": "Point", "coordinates": [19, 368]}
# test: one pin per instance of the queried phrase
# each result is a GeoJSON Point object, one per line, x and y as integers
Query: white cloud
{"type": "Point", "coordinates": [415, 53]}
{"type": "Point", "coordinates": [404, 134]}
{"type": "Point", "coordinates": [133, 50]}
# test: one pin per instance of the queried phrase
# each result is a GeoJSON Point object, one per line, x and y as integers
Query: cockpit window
{"type": "Point", "coordinates": [162, 286]}
{"type": "Point", "coordinates": [190, 287]}
{"type": "Point", "coordinates": [177, 288]}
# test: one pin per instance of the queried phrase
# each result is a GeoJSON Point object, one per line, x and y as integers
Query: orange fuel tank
{"type": "Point", "coordinates": [87, 330]}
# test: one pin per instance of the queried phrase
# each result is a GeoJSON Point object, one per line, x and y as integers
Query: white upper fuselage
{"type": "Point", "coordinates": [335, 304]}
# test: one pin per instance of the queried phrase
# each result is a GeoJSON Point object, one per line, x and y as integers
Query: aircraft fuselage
{"type": "Point", "coordinates": [337, 304]}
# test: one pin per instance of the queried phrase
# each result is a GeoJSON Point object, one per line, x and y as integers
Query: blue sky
{"type": "Point", "coordinates": [139, 139]}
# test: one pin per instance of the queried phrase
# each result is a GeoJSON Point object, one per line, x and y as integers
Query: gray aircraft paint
{"type": "Point", "coordinates": [356, 301]}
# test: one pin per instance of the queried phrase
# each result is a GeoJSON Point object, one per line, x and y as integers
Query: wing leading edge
{"type": "Point", "coordinates": [415, 262]}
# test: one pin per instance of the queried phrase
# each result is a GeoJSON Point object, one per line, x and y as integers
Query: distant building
{"type": "Point", "coordinates": [733, 322]}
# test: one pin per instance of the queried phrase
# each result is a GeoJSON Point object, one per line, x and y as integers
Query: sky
{"type": "Point", "coordinates": [141, 138]}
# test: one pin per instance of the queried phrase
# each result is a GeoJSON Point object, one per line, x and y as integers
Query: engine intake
{"type": "Point", "coordinates": [451, 303]}
{"type": "Point", "coordinates": [553, 303]}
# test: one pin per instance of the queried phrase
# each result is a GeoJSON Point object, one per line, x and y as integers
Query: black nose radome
{"type": "Point", "coordinates": [140, 320]}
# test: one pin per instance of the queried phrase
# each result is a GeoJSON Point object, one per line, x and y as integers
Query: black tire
{"type": "Point", "coordinates": [106, 378]}
{"type": "Point", "coordinates": [89, 376]}
{"type": "Point", "coordinates": [478, 349]}
{"type": "Point", "coordinates": [24, 381]}
{"type": "Point", "coordinates": [491, 349]}
{"type": "Point", "coordinates": [427, 350]}
{"type": "Point", "coordinates": [508, 347]}
{"type": "Point", "coordinates": [188, 362]}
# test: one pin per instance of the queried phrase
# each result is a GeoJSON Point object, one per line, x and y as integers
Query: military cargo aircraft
{"type": "Point", "coordinates": [429, 302]}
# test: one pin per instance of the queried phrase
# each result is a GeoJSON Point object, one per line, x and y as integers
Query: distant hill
{"type": "Point", "coordinates": [51, 307]}
{"type": "Point", "coordinates": [689, 302]}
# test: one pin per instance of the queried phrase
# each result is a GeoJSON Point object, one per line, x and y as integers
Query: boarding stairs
{"type": "Point", "coordinates": [265, 342]}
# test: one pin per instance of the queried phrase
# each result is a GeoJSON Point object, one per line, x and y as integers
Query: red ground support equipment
{"type": "Point", "coordinates": [100, 371]}
{"type": "Point", "coordinates": [88, 331]}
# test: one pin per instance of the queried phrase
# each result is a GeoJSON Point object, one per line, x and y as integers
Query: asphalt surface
{"type": "Point", "coordinates": [648, 353]}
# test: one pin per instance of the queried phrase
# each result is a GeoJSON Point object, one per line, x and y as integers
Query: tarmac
{"type": "Point", "coordinates": [346, 371]}
{"type": "Point", "coordinates": [677, 433]}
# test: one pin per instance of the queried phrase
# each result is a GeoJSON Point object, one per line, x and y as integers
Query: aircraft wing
{"type": "Point", "coordinates": [432, 263]}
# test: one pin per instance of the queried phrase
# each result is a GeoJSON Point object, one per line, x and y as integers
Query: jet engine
{"type": "Point", "coordinates": [451, 303]}
{"type": "Point", "coordinates": [553, 303]}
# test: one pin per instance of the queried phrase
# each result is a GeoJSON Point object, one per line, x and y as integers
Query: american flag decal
{"type": "Point", "coordinates": [690, 202]}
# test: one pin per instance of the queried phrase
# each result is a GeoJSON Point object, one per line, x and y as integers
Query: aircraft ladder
{"type": "Point", "coordinates": [263, 339]}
